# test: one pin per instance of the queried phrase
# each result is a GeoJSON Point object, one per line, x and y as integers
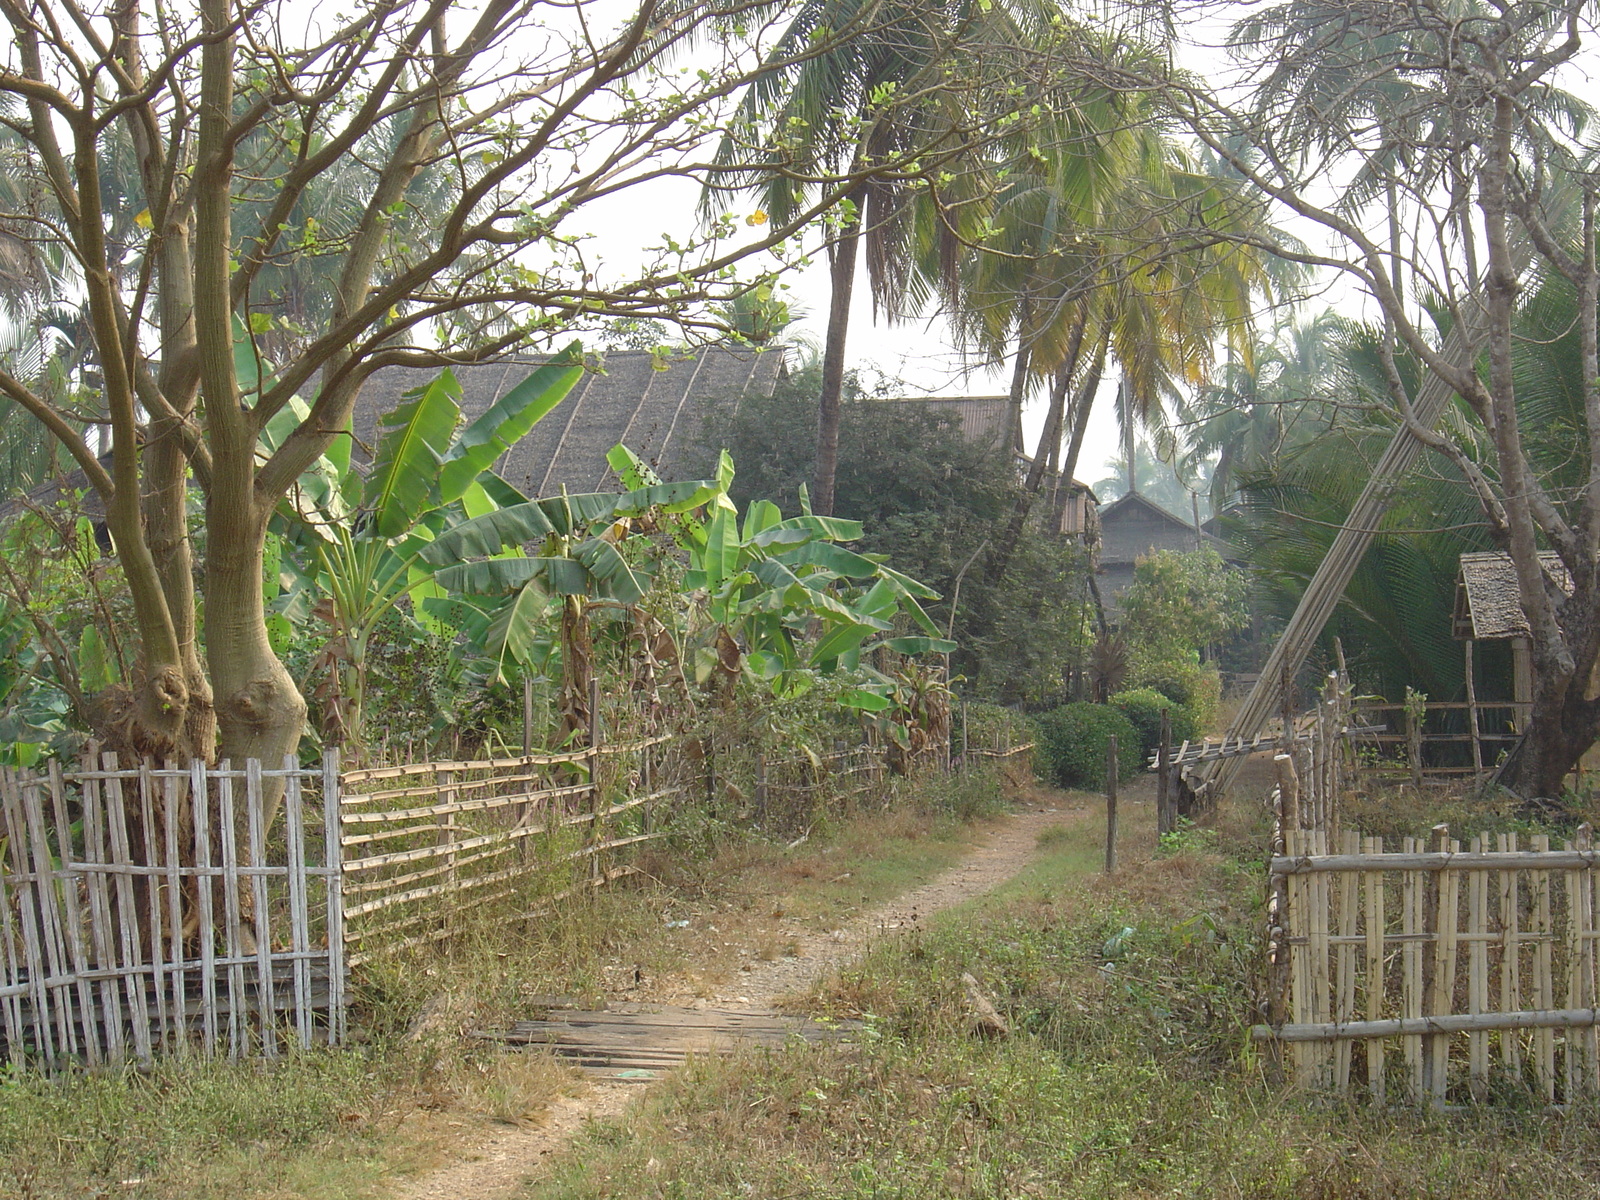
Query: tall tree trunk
{"type": "Point", "coordinates": [1011, 536]}
{"type": "Point", "coordinates": [1017, 394]}
{"type": "Point", "coordinates": [1083, 406]}
{"type": "Point", "coordinates": [842, 278]}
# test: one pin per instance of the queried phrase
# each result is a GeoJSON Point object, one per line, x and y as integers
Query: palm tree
{"type": "Point", "coordinates": [879, 107]}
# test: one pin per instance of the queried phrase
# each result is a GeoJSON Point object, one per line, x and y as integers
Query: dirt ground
{"type": "Point", "coordinates": [498, 1165]}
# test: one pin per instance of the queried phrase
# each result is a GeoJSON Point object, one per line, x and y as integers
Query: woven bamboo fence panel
{"type": "Point", "coordinates": [420, 841]}
{"type": "Point", "coordinates": [1434, 972]}
{"type": "Point", "coordinates": [162, 909]}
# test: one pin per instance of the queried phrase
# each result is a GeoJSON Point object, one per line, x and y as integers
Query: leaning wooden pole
{"type": "Point", "coordinates": [1339, 565]}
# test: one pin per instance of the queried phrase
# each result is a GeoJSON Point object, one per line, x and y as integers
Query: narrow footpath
{"type": "Point", "coordinates": [500, 1165]}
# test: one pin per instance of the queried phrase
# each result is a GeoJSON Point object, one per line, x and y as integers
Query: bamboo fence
{"type": "Point", "coordinates": [1439, 974]}
{"type": "Point", "coordinates": [150, 909]}
{"type": "Point", "coordinates": [158, 909]}
{"type": "Point", "coordinates": [419, 840]}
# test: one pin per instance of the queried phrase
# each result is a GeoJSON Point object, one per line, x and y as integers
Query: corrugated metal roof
{"type": "Point", "coordinates": [655, 412]}
{"type": "Point", "coordinates": [1488, 602]}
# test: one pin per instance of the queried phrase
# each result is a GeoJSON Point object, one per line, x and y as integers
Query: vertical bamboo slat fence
{"type": "Point", "coordinates": [1426, 971]}
{"type": "Point", "coordinates": [1444, 970]}
{"type": "Point", "coordinates": [153, 910]}
{"type": "Point", "coordinates": [148, 910]}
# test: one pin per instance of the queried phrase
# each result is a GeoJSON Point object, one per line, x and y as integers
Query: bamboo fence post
{"type": "Point", "coordinates": [1414, 746]}
{"type": "Point", "coordinates": [1472, 715]}
{"type": "Point", "coordinates": [255, 831]}
{"type": "Point", "coordinates": [103, 943]}
{"type": "Point", "coordinates": [1543, 973]}
{"type": "Point", "coordinates": [158, 960]}
{"type": "Point", "coordinates": [1578, 994]}
{"type": "Point", "coordinates": [1289, 788]}
{"type": "Point", "coordinates": [333, 862]}
{"type": "Point", "coordinates": [1320, 949]}
{"type": "Point", "coordinates": [1585, 918]}
{"type": "Point", "coordinates": [1297, 918]}
{"type": "Point", "coordinates": [127, 907]}
{"type": "Point", "coordinates": [1163, 781]}
{"type": "Point", "coordinates": [232, 914]}
{"type": "Point", "coordinates": [1510, 954]}
{"type": "Point", "coordinates": [299, 906]}
{"type": "Point", "coordinates": [1411, 967]}
{"type": "Point", "coordinates": [1111, 804]}
{"type": "Point", "coordinates": [1345, 965]}
{"type": "Point", "coordinates": [77, 953]}
{"type": "Point", "coordinates": [1376, 927]}
{"type": "Point", "coordinates": [205, 903]}
{"type": "Point", "coordinates": [445, 779]}
{"type": "Point", "coordinates": [964, 727]}
{"type": "Point", "coordinates": [1446, 929]}
{"type": "Point", "coordinates": [1478, 974]}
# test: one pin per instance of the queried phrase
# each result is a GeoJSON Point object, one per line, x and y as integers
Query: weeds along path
{"type": "Point", "coordinates": [498, 1166]}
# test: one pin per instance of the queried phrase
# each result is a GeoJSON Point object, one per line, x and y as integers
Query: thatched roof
{"type": "Point", "coordinates": [1488, 603]}
{"type": "Point", "coordinates": [655, 412]}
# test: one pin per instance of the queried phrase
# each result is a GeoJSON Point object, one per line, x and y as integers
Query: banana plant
{"type": "Point", "coordinates": [366, 535]}
{"type": "Point", "coordinates": [587, 552]}
{"type": "Point", "coordinates": [782, 596]}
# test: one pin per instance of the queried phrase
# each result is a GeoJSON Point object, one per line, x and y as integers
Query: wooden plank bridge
{"type": "Point", "coordinates": [637, 1042]}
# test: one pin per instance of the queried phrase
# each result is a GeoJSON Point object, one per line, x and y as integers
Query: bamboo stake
{"type": "Point", "coordinates": [1111, 804]}
{"type": "Point", "coordinates": [233, 922]}
{"type": "Point", "coordinates": [11, 998]}
{"type": "Point", "coordinates": [1296, 917]}
{"type": "Point", "coordinates": [1411, 968]}
{"type": "Point", "coordinates": [299, 909]}
{"type": "Point", "coordinates": [1377, 926]}
{"type": "Point", "coordinates": [1472, 714]}
{"type": "Point", "coordinates": [1478, 975]}
{"type": "Point", "coordinates": [178, 976]}
{"type": "Point", "coordinates": [1318, 946]}
{"type": "Point", "coordinates": [104, 944]}
{"type": "Point", "coordinates": [1442, 1000]}
{"type": "Point", "coordinates": [1510, 954]}
{"type": "Point", "coordinates": [1345, 974]}
{"type": "Point", "coordinates": [77, 953]}
{"type": "Point", "coordinates": [200, 801]}
{"type": "Point", "coordinates": [26, 878]}
{"type": "Point", "coordinates": [127, 910]}
{"type": "Point", "coordinates": [1544, 981]}
{"type": "Point", "coordinates": [332, 854]}
{"type": "Point", "coordinates": [266, 998]}
{"type": "Point", "coordinates": [53, 959]}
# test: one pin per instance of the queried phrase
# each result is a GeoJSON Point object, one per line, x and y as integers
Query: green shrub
{"type": "Point", "coordinates": [1195, 686]}
{"type": "Point", "coordinates": [1072, 745]}
{"type": "Point", "coordinates": [1142, 706]}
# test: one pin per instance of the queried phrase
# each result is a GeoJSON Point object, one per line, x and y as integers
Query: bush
{"type": "Point", "coordinates": [1142, 706]}
{"type": "Point", "coordinates": [1072, 745]}
{"type": "Point", "coordinates": [1194, 686]}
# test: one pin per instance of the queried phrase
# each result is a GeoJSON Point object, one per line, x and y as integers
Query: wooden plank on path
{"type": "Point", "coordinates": [654, 1038]}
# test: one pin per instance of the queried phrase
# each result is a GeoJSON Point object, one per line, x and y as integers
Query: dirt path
{"type": "Point", "coordinates": [499, 1165]}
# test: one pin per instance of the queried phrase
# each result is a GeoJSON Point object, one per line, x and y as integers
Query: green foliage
{"type": "Point", "coordinates": [1180, 602]}
{"type": "Point", "coordinates": [1073, 740]}
{"type": "Point", "coordinates": [931, 498]}
{"type": "Point", "coordinates": [1194, 687]}
{"type": "Point", "coordinates": [1143, 707]}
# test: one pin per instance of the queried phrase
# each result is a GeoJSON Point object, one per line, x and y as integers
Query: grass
{"type": "Point", "coordinates": [1129, 1072]}
{"type": "Point", "coordinates": [337, 1124]}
